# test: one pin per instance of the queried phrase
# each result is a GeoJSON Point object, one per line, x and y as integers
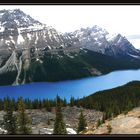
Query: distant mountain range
{"type": "Point", "coordinates": [31, 51]}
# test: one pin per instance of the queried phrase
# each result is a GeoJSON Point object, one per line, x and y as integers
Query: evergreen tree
{"type": "Point", "coordinates": [82, 123]}
{"type": "Point", "coordinates": [28, 104]}
{"type": "Point", "coordinates": [79, 103]}
{"type": "Point", "coordinates": [72, 100]}
{"type": "Point", "coordinates": [9, 119]}
{"type": "Point", "coordinates": [47, 105]}
{"type": "Point", "coordinates": [48, 121]}
{"type": "Point", "coordinates": [104, 118]}
{"type": "Point", "coordinates": [1, 104]}
{"type": "Point", "coordinates": [59, 101]}
{"type": "Point", "coordinates": [98, 123]}
{"type": "Point", "coordinates": [64, 102]}
{"type": "Point", "coordinates": [59, 125]}
{"type": "Point", "coordinates": [35, 104]}
{"type": "Point", "coordinates": [109, 128]}
{"type": "Point", "coordinates": [24, 121]}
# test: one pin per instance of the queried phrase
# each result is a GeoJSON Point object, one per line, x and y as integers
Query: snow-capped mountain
{"type": "Point", "coordinates": [27, 46]}
{"type": "Point", "coordinates": [99, 40]}
{"type": "Point", "coordinates": [17, 28]}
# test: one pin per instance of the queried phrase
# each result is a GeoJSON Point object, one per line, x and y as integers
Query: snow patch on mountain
{"type": "Point", "coordinates": [32, 28]}
{"type": "Point", "coordinates": [1, 14]}
{"type": "Point", "coordinates": [20, 39]}
{"type": "Point", "coordinates": [13, 42]}
{"type": "Point", "coordinates": [2, 29]}
{"type": "Point", "coordinates": [7, 42]}
{"type": "Point", "coordinates": [111, 37]}
{"type": "Point", "coordinates": [36, 39]}
{"type": "Point", "coordinates": [49, 47]}
{"type": "Point", "coordinates": [29, 36]}
{"type": "Point", "coordinates": [135, 56]}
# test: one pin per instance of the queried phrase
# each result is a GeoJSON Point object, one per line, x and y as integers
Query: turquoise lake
{"type": "Point", "coordinates": [76, 88]}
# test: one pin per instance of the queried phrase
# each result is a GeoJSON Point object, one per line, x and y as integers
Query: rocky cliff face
{"type": "Point", "coordinates": [24, 40]}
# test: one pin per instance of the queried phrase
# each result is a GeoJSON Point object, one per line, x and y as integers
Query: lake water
{"type": "Point", "coordinates": [76, 88]}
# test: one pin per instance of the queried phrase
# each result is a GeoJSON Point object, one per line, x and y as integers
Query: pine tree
{"type": "Point", "coordinates": [48, 122]}
{"type": "Point", "coordinates": [1, 104]}
{"type": "Point", "coordinates": [109, 128]}
{"type": "Point", "coordinates": [72, 100]}
{"type": "Point", "coordinates": [9, 119]}
{"type": "Point", "coordinates": [28, 104]}
{"type": "Point", "coordinates": [82, 123]}
{"type": "Point", "coordinates": [64, 102]}
{"type": "Point", "coordinates": [98, 123]}
{"type": "Point", "coordinates": [24, 121]}
{"type": "Point", "coordinates": [47, 105]}
{"type": "Point", "coordinates": [104, 118]}
{"type": "Point", "coordinates": [78, 103]}
{"type": "Point", "coordinates": [59, 125]}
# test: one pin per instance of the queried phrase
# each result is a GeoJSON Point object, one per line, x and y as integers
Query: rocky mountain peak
{"type": "Point", "coordinates": [16, 17]}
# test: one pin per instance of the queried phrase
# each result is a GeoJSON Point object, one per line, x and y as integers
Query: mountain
{"type": "Point", "coordinates": [31, 51]}
{"type": "Point", "coordinates": [99, 40]}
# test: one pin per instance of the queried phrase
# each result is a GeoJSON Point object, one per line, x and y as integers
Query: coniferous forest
{"type": "Point", "coordinates": [111, 102]}
{"type": "Point", "coordinates": [114, 101]}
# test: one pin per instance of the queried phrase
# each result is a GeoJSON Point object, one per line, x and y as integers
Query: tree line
{"type": "Point", "coordinates": [38, 103]}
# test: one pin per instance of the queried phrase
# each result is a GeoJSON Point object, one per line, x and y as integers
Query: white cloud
{"type": "Point", "coordinates": [123, 19]}
{"type": "Point", "coordinates": [135, 42]}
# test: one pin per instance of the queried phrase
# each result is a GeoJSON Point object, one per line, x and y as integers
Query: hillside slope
{"type": "Point", "coordinates": [122, 124]}
{"type": "Point", "coordinates": [113, 101]}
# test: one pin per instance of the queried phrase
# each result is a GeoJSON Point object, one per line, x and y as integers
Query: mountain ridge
{"type": "Point", "coordinates": [25, 45]}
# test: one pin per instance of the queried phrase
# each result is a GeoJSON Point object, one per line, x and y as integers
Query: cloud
{"type": "Point", "coordinates": [137, 36]}
{"type": "Point", "coordinates": [66, 18]}
{"type": "Point", "coordinates": [135, 42]}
